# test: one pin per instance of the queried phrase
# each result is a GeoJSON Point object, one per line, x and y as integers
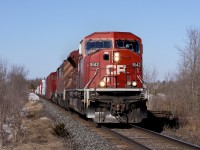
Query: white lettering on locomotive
{"type": "Point", "coordinates": [115, 69]}
{"type": "Point", "coordinates": [94, 64]}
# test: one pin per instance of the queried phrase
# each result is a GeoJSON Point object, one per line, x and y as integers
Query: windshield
{"type": "Point", "coordinates": [132, 45]}
{"type": "Point", "coordinates": [92, 46]}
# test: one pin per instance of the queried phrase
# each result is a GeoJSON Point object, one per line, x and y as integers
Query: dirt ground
{"type": "Point", "coordinates": [38, 131]}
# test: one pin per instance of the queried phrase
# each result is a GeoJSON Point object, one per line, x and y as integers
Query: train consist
{"type": "Point", "coordinates": [102, 79]}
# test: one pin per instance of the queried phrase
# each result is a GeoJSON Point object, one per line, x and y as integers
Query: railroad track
{"type": "Point", "coordinates": [133, 138]}
{"type": "Point", "coordinates": [93, 127]}
{"type": "Point", "coordinates": [151, 140]}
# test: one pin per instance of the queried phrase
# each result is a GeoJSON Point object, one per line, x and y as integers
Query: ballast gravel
{"type": "Point", "coordinates": [82, 137]}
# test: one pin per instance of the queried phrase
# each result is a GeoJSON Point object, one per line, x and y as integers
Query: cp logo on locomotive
{"type": "Point", "coordinates": [115, 69]}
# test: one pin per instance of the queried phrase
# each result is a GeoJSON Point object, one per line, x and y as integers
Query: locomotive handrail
{"type": "Point", "coordinates": [95, 74]}
{"type": "Point", "coordinates": [139, 77]}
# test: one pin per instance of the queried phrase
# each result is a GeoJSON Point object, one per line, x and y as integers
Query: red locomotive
{"type": "Point", "coordinates": [103, 78]}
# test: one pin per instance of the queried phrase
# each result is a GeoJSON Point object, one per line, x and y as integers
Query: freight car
{"type": "Point", "coordinates": [41, 89]}
{"type": "Point", "coordinates": [51, 85]}
{"type": "Point", "coordinates": [103, 79]}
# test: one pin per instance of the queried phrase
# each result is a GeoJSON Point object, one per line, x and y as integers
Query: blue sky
{"type": "Point", "coordinates": [39, 34]}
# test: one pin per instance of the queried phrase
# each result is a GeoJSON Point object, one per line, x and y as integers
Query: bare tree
{"type": "Point", "coordinates": [182, 89]}
{"type": "Point", "coordinates": [3, 75]}
{"type": "Point", "coordinates": [152, 84]}
{"type": "Point", "coordinates": [13, 95]}
{"type": "Point", "coordinates": [189, 70]}
{"type": "Point", "coordinates": [151, 78]}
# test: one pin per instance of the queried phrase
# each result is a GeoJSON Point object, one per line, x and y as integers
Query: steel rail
{"type": "Point", "coordinates": [126, 139]}
{"type": "Point", "coordinates": [186, 144]}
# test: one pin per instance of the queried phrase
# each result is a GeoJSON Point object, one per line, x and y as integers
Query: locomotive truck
{"type": "Point", "coordinates": [103, 79]}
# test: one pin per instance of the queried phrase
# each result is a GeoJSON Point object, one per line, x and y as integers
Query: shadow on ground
{"type": "Point", "coordinates": [157, 124]}
{"type": "Point", "coordinates": [153, 123]}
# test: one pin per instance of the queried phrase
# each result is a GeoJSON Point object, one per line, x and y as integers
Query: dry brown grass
{"type": "Point", "coordinates": [185, 134]}
{"type": "Point", "coordinates": [38, 133]}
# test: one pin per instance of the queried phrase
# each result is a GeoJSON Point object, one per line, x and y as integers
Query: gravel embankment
{"type": "Point", "coordinates": [82, 137]}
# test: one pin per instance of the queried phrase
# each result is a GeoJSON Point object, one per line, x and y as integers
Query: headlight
{"type": "Point", "coordinates": [134, 83]}
{"type": "Point", "coordinates": [128, 83]}
{"type": "Point", "coordinates": [116, 56]}
{"type": "Point", "coordinates": [102, 84]}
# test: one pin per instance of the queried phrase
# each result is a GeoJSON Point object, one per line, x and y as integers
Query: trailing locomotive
{"type": "Point", "coordinates": [103, 79]}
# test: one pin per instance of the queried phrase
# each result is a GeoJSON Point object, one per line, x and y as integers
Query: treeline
{"type": "Point", "coordinates": [180, 92]}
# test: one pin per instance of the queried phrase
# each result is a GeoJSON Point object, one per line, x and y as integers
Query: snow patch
{"type": "Point", "coordinates": [8, 129]}
{"type": "Point", "coordinates": [33, 97]}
